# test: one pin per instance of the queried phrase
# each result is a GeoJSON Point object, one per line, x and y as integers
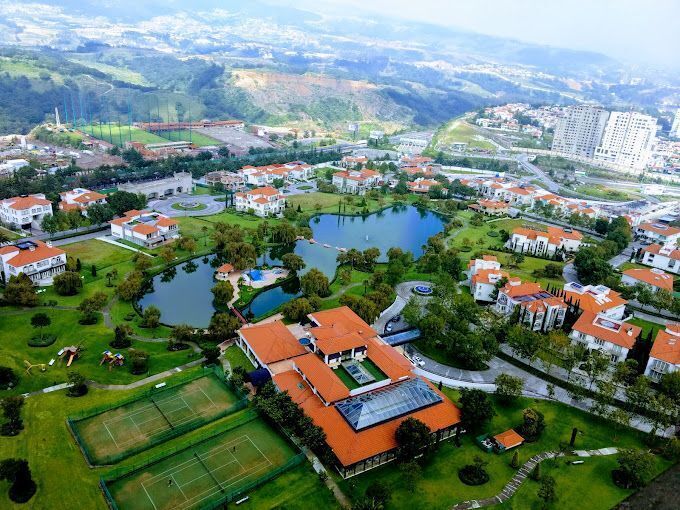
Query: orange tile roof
{"type": "Point", "coordinates": [493, 204]}
{"type": "Point", "coordinates": [265, 190]}
{"type": "Point", "coordinates": [490, 258]}
{"type": "Point", "coordinates": [350, 446]}
{"type": "Point", "coordinates": [656, 250]}
{"type": "Point", "coordinates": [341, 343]}
{"type": "Point", "coordinates": [90, 196]}
{"type": "Point", "coordinates": [388, 360]}
{"type": "Point", "coordinates": [22, 203]}
{"type": "Point", "coordinates": [589, 303]}
{"type": "Point", "coordinates": [144, 229]}
{"type": "Point", "coordinates": [667, 345]}
{"type": "Point", "coordinates": [261, 200]}
{"type": "Point", "coordinates": [338, 322]}
{"type": "Point", "coordinates": [23, 257]}
{"type": "Point", "coordinates": [68, 207]}
{"type": "Point", "coordinates": [654, 277]}
{"type": "Point", "coordinates": [509, 439]}
{"type": "Point", "coordinates": [484, 275]}
{"type": "Point", "coordinates": [225, 268]}
{"type": "Point", "coordinates": [523, 289]}
{"type": "Point", "coordinates": [665, 230]}
{"type": "Point", "coordinates": [552, 233]}
{"type": "Point", "coordinates": [166, 222]}
{"type": "Point", "coordinates": [519, 191]}
{"type": "Point", "coordinates": [594, 325]}
{"type": "Point", "coordinates": [272, 342]}
{"type": "Point", "coordinates": [322, 377]}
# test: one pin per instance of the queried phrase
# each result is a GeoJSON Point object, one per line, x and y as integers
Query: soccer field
{"type": "Point", "coordinates": [119, 432]}
{"type": "Point", "coordinates": [118, 135]}
{"type": "Point", "coordinates": [204, 473]}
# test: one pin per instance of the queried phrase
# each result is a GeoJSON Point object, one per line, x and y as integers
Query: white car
{"type": "Point", "coordinates": [418, 361]}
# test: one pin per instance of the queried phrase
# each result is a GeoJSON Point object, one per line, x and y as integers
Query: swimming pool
{"type": "Point", "coordinates": [255, 275]}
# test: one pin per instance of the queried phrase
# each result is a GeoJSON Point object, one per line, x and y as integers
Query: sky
{"type": "Point", "coordinates": [633, 31]}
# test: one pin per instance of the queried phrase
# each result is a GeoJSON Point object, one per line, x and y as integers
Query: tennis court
{"type": "Point", "coordinates": [135, 426]}
{"type": "Point", "coordinates": [205, 472]}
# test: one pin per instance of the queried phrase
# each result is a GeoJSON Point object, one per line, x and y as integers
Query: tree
{"type": "Point", "coordinates": [595, 365]}
{"type": "Point", "coordinates": [223, 293]}
{"type": "Point", "coordinates": [670, 385]}
{"type": "Point", "coordinates": [626, 372]}
{"type": "Point", "coordinates": [8, 378]}
{"type": "Point", "coordinates": [634, 468]}
{"type": "Point", "coordinates": [297, 309]}
{"type": "Point", "coordinates": [151, 317]}
{"type": "Point", "coordinates": [546, 491]}
{"type": "Point", "coordinates": [167, 253]}
{"type": "Point", "coordinates": [17, 472]}
{"type": "Point", "coordinates": [536, 472]}
{"type": "Point", "coordinates": [89, 307]}
{"type": "Point", "coordinates": [142, 261]}
{"type": "Point", "coordinates": [77, 384]}
{"type": "Point", "coordinates": [68, 283]}
{"type": "Point", "coordinates": [139, 362]}
{"type": "Point", "coordinates": [476, 408]}
{"type": "Point", "coordinates": [40, 320]}
{"type": "Point", "coordinates": [315, 283]}
{"type": "Point", "coordinates": [514, 462]}
{"type": "Point", "coordinates": [293, 262]}
{"type": "Point", "coordinates": [524, 343]}
{"type": "Point", "coordinates": [474, 474]}
{"type": "Point", "coordinates": [99, 213]}
{"type": "Point", "coordinates": [180, 334]}
{"type": "Point", "coordinates": [11, 410]}
{"type": "Point", "coordinates": [211, 355]}
{"type": "Point", "coordinates": [131, 287]}
{"type": "Point", "coordinates": [188, 243]}
{"type": "Point", "coordinates": [20, 291]}
{"type": "Point", "coordinates": [508, 388]}
{"type": "Point", "coordinates": [122, 201]}
{"type": "Point", "coordinates": [413, 438]}
{"type": "Point", "coordinates": [222, 326]}
{"type": "Point", "coordinates": [121, 337]}
{"type": "Point", "coordinates": [532, 425]}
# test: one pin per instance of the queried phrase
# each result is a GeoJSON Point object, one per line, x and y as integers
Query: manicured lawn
{"type": "Point", "coordinates": [439, 487]}
{"type": "Point", "coordinates": [328, 203]}
{"type": "Point", "coordinates": [461, 132]}
{"type": "Point", "coordinates": [16, 330]}
{"type": "Point", "coordinates": [606, 193]}
{"type": "Point", "coordinates": [237, 358]}
{"type": "Point", "coordinates": [647, 326]}
{"type": "Point", "coordinates": [180, 207]}
{"type": "Point", "coordinates": [194, 137]}
{"type": "Point", "coordinates": [118, 135]}
{"type": "Point", "coordinates": [10, 234]}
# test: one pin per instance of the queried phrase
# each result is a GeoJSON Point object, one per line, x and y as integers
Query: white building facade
{"type": "Point", "coordinates": [25, 211]}
{"type": "Point", "coordinates": [627, 140]}
{"type": "Point", "coordinates": [580, 130]}
{"type": "Point", "coordinates": [263, 202]}
{"type": "Point", "coordinates": [39, 261]}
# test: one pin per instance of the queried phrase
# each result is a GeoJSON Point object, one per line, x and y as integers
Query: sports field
{"type": "Point", "coordinates": [198, 139]}
{"type": "Point", "coordinates": [135, 426]}
{"type": "Point", "coordinates": [205, 472]}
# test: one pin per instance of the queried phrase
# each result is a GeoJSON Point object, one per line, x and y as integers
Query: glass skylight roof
{"type": "Point", "coordinates": [387, 403]}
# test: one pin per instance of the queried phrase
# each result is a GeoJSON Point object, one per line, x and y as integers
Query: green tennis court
{"type": "Point", "coordinates": [204, 473]}
{"type": "Point", "coordinates": [121, 431]}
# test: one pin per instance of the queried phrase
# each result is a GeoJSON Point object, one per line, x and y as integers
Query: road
{"type": "Point", "coordinates": [212, 206]}
{"type": "Point", "coordinates": [404, 292]}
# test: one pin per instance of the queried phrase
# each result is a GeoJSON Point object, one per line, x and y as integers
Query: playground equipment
{"type": "Point", "coordinates": [113, 360]}
{"type": "Point", "coordinates": [30, 365]}
{"type": "Point", "coordinates": [71, 352]}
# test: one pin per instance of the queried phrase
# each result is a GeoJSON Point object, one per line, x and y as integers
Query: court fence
{"type": "Point", "coordinates": [143, 465]}
{"type": "Point", "coordinates": [173, 432]}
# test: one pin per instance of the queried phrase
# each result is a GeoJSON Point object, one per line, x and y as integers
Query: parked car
{"type": "Point", "coordinates": [388, 328]}
{"type": "Point", "coordinates": [418, 361]}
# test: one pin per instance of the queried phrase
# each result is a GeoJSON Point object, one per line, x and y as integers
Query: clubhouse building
{"type": "Point", "coordinates": [353, 385]}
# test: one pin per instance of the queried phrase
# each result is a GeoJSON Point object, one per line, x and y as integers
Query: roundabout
{"type": "Point", "coordinates": [422, 290]}
{"type": "Point", "coordinates": [188, 205]}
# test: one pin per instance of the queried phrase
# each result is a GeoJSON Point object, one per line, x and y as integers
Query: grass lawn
{"type": "Point", "coordinates": [237, 358]}
{"type": "Point", "coordinates": [328, 202]}
{"type": "Point", "coordinates": [10, 234]}
{"type": "Point", "coordinates": [48, 446]}
{"type": "Point", "coordinates": [118, 135]}
{"type": "Point", "coordinates": [184, 135]}
{"type": "Point", "coordinates": [439, 486]}
{"type": "Point", "coordinates": [606, 193]}
{"type": "Point", "coordinates": [16, 331]}
{"type": "Point", "coordinates": [180, 207]}
{"type": "Point", "coordinates": [459, 131]}
{"type": "Point", "coordinates": [647, 326]}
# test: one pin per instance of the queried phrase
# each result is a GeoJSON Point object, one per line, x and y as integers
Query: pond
{"type": "Point", "coordinates": [183, 293]}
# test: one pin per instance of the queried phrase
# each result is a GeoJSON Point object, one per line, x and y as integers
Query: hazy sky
{"type": "Point", "coordinates": [638, 31]}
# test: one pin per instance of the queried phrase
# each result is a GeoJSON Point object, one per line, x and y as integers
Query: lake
{"type": "Point", "coordinates": [183, 293]}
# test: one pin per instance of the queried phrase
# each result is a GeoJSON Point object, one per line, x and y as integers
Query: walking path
{"type": "Point", "coordinates": [319, 468]}
{"type": "Point", "coordinates": [146, 380]}
{"type": "Point", "coordinates": [516, 481]}
{"type": "Point", "coordinates": [110, 240]}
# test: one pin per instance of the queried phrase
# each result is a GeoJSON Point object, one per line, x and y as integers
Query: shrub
{"type": "Point", "coordinates": [474, 474]}
{"type": "Point", "coordinates": [492, 233]}
{"type": "Point", "coordinates": [17, 472]}
{"type": "Point", "coordinates": [78, 386]}
{"type": "Point", "coordinates": [121, 338]}
{"type": "Point", "coordinates": [8, 378]}
{"type": "Point", "coordinates": [634, 467]}
{"type": "Point", "coordinates": [42, 341]}
{"type": "Point", "coordinates": [139, 362]}
{"type": "Point", "coordinates": [68, 283]}
{"type": "Point", "coordinates": [533, 425]}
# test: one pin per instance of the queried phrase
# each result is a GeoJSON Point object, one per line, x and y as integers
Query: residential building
{"type": "Point", "coordinates": [147, 229]}
{"type": "Point", "coordinates": [359, 390]}
{"type": "Point", "coordinates": [270, 345]}
{"type": "Point", "coordinates": [354, 162]}
{"type": "Point", "coordinates": [658, 233]}
{"type": "Point", "coordinates": [180, 182]}
{"type": "Point", "coordinates": [356, 182]}
{"type": "Point", "coordinates": [666, 257]}
{"type": "Point", "coordinates": [483, 284]}
{"type": "Point", "coordinates": [614, 337]}
{"type": "Point", "coordinates": [596, 299]}
{"type": "Point", "coordinates": [539, 309]}
{"type": "Point", "coordinates": [421, 185]}
{"type": "Point", "coordinates": [495, 189]}
{"type": "Point", "coordinates": [26, 211]}
{"type": "Point", "coordinates": [228, 180]}
{"type": "Point", "coordinates": [675, 127]}
{"type": "Point", "coordinates": [263, 202]}
{"type": "Point", "coordinates": [39, 261]}
{"type": "Point", "coordinates": [655, 279]}
{"type": "Point", "coordinates": [9, 166]}
{"type": "Point", "coordinates": [79, 199]}
{"type": "Point", "coordinates": [627, 140]}
{"type": "Point", "coordinates": [486, 262]}
{"type": "Point", "coordinates": [222, 273]}
{"type": "Point", "coordinates": [664, 358]}
{"type": "Point", "coordinates": [518, 196]}
{"type": "Point", "coordinates": [580, 131]}
{"type": "Point", "coordinates": [264, 175]}
{"type": "Point", "coordinates": [544, 243]}
{"type": "Point", "coordinates": [490, 207]}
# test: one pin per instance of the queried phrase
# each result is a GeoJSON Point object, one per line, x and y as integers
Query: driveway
{"type": "Point", "coordinates": [404, 293]}
{"type": "Point", "coordinates": [165, 206]}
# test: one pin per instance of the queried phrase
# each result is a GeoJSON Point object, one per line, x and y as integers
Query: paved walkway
{"type": "Point", "coordinates": [146, 380]}
{"type": "Point", "coordinates": [110, 240]}
{"type": "Point", "coordinates": [516, 481]}
{"type": "Point", "coordinates": [319, 468]}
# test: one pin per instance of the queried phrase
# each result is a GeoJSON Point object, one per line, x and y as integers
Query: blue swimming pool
{"type": "Point", "coordinates": [255, 275]}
